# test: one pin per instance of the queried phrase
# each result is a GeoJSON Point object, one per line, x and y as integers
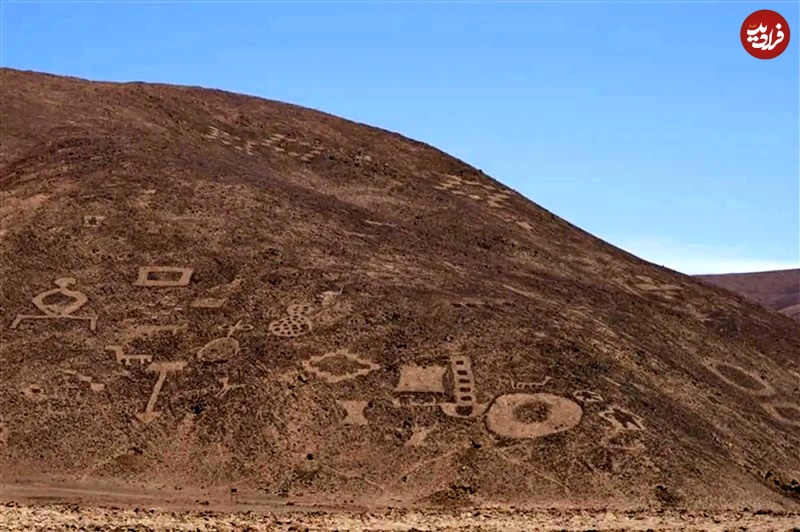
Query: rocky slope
{"type": "Point", "coordinates": [779, 290]}
{"type": "Point", "coordinates": [201, 289]}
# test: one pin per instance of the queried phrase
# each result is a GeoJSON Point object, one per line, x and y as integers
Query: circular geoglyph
{"type": "Point", "coordinates": [747, 381]}
{"type": "Point", "coordinates": [507, 416]}
{"type": "Point", "coordinates": [788, 413]}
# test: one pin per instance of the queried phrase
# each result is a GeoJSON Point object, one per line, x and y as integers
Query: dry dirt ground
{"type": "Point", "coordinates": [779, 290]}
{"type": "Point", "coordinates": [202, 291]}
{"type": "Point", "coordinates": [74, 517]}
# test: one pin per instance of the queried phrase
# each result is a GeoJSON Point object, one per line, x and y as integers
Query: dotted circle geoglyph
{"type": "Point", "coordinates": [300, 309]}
{"type": "Point", "coordinates": [291, 326]}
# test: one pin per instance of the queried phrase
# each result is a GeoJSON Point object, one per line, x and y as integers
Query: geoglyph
{"type": "Point", "coordinates": [451, 388]}
{"type": "Point", "coordinates": [163, 276]}
{"type": "Point", "coordinates": [345, 358]}
{"type": "Point", "coordinates": [784, 412]}
{"type": "Point", "coordinates": [59, 310]}
{"type": "Point", "coordinates": [122, 358]}
{"type": "Point", "coordinates": [420, 379]}
{"type": "Point", "coordinates": [301, 318]}
{"type": "Point", "coordinates": [221, 349]}
{"type": "Point", "coordinates": [355, 412]}
{"type": "Point", "coordinates": [587, 397]}
{"type": "Point", "coordinates": [742, 379]}
{"type": "Point", "coordinates": [621, 419]}
{"type": "Point", "coordinates": [465, 403]}
{"type": "Point", "coordinates": [529, 385]}
{"type": "Point", "coordinates": [162, 368]}
{"type": "Point", "coordinates": [552, 414]}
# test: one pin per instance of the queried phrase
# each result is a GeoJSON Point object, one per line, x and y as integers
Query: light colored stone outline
{"type": "Point", "coordinates": [608, 415]}
{"type": "Point", "coordinates": [380, 224]}
{"type": "Point", "coordinates": [498, 199]}
{"type": "Point", "coordinates": [27, 391]}
{"type": "Point", "coordinates": [232, 344]}
{"type": "Point", "coordinates": [463, 381]}
{"type": "Point", "coordinates": [163, 368]}
{"type": "Point", "coordinates": [651, 286]}
{"type": "Point", "coordinates": [332, 378]}
{"type": "Point", "coordinates": [399, 403]}
{"type": "Point", "coordinates": [454, 410]}
{"type": "Point", "coordinates": [94, 386]}
{"type": "Point", "coordinates": [587, 397]}
{"type": "Point", "coordinates": [122, 358]}
{"type": "Point", "coordinates": [454, 184]}
{"type": "Point", "coordinates": [333, 314]}
{"type": "Point", "coordinates": [771, 407]}
{"type": "Point", "coordinates": [328, 297]}
{"type": "Point", "coordinates": [291, 326]}
{"type": "Point", "coordinates": [468, 302]}
{"type": "Point", "coordinates": [465, 405]}
{"type": "Point", "coordinates": [521, 292]}
{"type": "Point", "coordinates": [208, 302]}
{"type": "Point", "coordinates": [298, 310]}
{"type": "Point", "coordinates": [421, 379]}
{"type": "Point", "coordinates": [521, 385]}
{"type": "Point", "coordinates": [143, 278]}
{"type": "Point", "coordinates": [471, 302]}
{"type": "Point", "coordinates": [355, 412]}
{"type": "Point", "coordinates": [564, 414]}
{"type": "Point", "coordinates": [418, 436]}
{"type": "Point", "coordinates": [217, 296]}
{"type": "Point", "coordinates": [523, 224]}
{"type": "Point", "coordinates": [93, 220]}
{"type": "Point", "coordinates": [227, 387]}
{"type": "Point", "coordinates": [53, 312]}
{"type": "Point", "coordinates": [767, 389]}
{"type": "Point", "coordinates": [306, 150]}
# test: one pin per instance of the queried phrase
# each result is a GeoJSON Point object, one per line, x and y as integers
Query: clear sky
{"type": "Point", "coordinates": [644, 123]}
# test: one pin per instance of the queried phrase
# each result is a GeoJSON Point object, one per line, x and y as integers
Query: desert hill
{"type": "Point", "coordinates": [201, 290]}
{"type": "Point", "coordinates": [779, 290]}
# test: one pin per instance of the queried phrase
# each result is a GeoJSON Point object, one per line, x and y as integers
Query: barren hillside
{"type": "Point", "coordinates": [201, 290]}
{"type": "Point", "coordinates": [779, 289]}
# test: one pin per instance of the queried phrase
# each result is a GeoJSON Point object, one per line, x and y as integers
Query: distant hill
{"type": "Point", "coordinates": [779, 290]}
{"type": "Point", "coordinates": [201, 290]}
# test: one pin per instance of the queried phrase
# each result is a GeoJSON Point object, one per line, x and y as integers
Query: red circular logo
{"type": "Point", "coordinates": [765, 34]}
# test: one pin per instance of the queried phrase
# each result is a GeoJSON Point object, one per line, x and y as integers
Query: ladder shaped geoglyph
{"type": "Point", "coordinates": [454, 392]}
{"type": "Point", "coordinates": [453, 389]}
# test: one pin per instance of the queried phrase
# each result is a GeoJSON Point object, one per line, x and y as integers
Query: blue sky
{"type": "Point", "coordinates": [646, 124]}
